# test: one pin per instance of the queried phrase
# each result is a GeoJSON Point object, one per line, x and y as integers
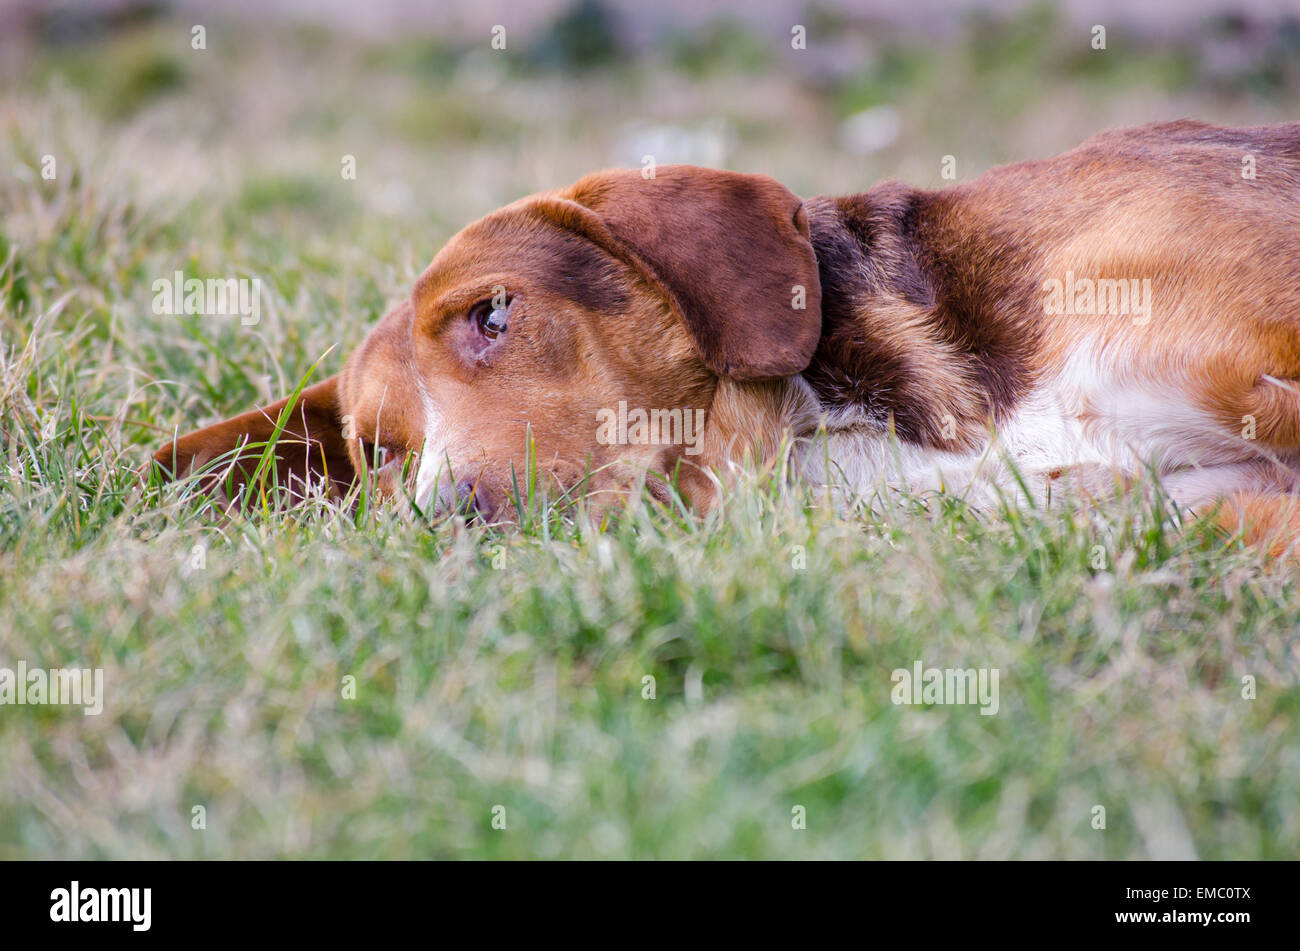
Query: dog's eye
{"type": "Point", "coordinates": [488, 318]}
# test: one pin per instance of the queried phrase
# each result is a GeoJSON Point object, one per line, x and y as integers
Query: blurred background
{"type": "Point", "coordinates": [444, 127]}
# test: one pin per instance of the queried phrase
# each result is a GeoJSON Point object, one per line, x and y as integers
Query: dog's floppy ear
{"type": "Point", "coordinates": [731, 253]}
{"type": "Point", "coordinates": [311, 445]}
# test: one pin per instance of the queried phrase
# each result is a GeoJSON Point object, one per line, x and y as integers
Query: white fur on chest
{"type": "Point", "coordinates": [1093, 414]}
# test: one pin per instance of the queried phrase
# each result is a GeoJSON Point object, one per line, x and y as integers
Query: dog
{"type": "Point", "coordinates": [1131, 306]}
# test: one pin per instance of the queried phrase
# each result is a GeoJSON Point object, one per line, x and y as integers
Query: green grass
{"type": "Point", "coordinates": [507, 667]}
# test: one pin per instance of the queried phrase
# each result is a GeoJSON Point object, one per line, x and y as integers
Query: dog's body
{"type": "Point", "coordinates": [1182, 351]}
{"type": "Point", "coordinates": [1132, 304]}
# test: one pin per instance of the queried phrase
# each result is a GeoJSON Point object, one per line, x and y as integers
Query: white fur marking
{"type": "Point", "coordinates": [432, 474]}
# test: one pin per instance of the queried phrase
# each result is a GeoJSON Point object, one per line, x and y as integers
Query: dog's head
{"type": "Point", "coordinates": [576, 334]}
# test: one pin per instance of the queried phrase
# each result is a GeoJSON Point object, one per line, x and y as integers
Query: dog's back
{"type": "Point", "coordinates": [1162, 268]}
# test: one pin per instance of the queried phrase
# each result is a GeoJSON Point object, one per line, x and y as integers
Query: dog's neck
{"type": "Point", "coordinates": [910, 333]}
{"type": "Point", "coordinates": [926, 336]}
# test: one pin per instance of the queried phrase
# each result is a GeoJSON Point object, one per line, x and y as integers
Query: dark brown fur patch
{"type": "Point", "coordinates": [890, 253]}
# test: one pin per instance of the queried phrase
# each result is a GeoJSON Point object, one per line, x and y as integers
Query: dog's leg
{"type": "Point", "coordinates": [1270, 521]}
{"type": "Point", "coordinates": [1196, 487]}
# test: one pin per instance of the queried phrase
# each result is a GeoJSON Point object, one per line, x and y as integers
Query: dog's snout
{"type": "Point", "coordinates": [463, 497]}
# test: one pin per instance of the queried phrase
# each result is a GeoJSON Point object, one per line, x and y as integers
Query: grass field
{"type": "Point", "coordinates": [506, 668]}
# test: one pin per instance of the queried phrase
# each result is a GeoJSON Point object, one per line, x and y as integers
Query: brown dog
{"type": "Point", "coordinates": [1132, 304]}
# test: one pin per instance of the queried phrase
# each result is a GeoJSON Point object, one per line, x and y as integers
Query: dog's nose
{"type": "Point", "coordinates": [461, 498]}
